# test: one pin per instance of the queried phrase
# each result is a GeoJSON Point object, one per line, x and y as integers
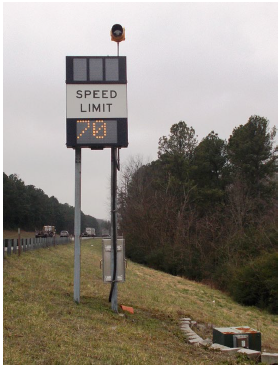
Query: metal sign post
{"type": "Point", "coordinates": [118, 35]}
{"type": "Point", "coordinates": [113, 291]}
{"type": "Point", "coordinates": [77, 224]}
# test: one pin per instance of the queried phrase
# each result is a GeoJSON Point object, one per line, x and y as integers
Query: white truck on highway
{"type": "Point", "coordinates": [47, 231]}
{"type": "Point", "coordinates": [89, 232]}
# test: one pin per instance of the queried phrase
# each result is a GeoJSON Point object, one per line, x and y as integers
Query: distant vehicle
{"type": "Point", "coordinates": [89, 232]}
{"type": "Point", "coordinates": [47, 231]}
{"type": "Point", "coordinates": [64, 234]}
{"type": "Point", "coordinates": [105, 232]}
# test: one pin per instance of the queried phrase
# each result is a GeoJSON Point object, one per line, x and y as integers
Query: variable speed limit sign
{"type": "Point", "coordinates": [96, 102]}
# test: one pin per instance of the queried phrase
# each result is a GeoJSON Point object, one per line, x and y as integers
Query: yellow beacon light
{"type": "Point", "coordinates": [117, 33]}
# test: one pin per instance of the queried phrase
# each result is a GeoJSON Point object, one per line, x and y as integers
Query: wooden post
{"type": "Point", "coordinates": [19, 242]}
{"type": "Point", "coordinates": [14, 245]}
{"type": "Point", "coordinates": [4, 245]}
{"type": "Point", "coordinates": [9, 249]}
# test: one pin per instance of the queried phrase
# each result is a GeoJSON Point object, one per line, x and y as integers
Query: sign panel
{"type": "Point", "coordinates": [98, 101]}
{"type": "Point", "coordinates": [97, 133]}
{"type": "Point", "coordinates": [96, 88]}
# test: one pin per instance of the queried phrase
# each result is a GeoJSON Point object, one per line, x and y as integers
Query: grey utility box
{"type": "Point", "coordinates": [120, 267]}
{"type": "Point", "coordinates": [238, 337]}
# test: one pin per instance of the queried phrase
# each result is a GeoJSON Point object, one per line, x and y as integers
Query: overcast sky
{"type": "Point", "coordinates": [212, 65]}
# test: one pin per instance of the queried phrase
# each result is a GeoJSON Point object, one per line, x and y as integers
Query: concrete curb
{"type": "Point", "coordinates": [269, 358]}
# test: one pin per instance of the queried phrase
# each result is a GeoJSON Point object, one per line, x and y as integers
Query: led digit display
{"type": "Point", "coordinates": [96, 132]}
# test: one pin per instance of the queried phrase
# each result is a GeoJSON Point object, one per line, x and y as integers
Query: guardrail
{"type": "Point", "coordinates": [16, 246]}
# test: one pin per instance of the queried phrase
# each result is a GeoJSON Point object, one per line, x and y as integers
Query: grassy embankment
{"type": "Point", "coordinates": [43, 325]}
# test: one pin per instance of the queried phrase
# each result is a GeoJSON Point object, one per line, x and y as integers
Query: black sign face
{"type": "Point", "coordinates": [97, 133]}
{"type": "Point", "coordinates": [96, 102]}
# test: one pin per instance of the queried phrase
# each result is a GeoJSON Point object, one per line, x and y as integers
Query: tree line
{"type": "Point", "coordinates": [208, 210]}
{"type": "Point", "coordinates": [29, 208]}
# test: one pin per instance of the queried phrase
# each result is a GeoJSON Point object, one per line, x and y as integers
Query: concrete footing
{"type": "Point", "coordinates": [251, 354]}
{"type": "Point", "coordinates": [269, 358]}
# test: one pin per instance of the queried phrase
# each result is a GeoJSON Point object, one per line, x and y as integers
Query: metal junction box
{"type": "Point", "coordinates": [241, 341]}
{"type": "Point", "coordinates": [238, 337]}
{"type": "Point", "coordinates": [120, 269]}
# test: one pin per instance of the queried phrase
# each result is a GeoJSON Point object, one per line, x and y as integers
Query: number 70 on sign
{"type": "Point", "coordinates": [90, 131]}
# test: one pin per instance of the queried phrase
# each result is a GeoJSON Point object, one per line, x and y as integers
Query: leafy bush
{"type": "Point", "coordinates": [257, 283]}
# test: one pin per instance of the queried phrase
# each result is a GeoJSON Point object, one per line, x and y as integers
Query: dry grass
{"type": "Point", "coordinates": [43, 325]}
